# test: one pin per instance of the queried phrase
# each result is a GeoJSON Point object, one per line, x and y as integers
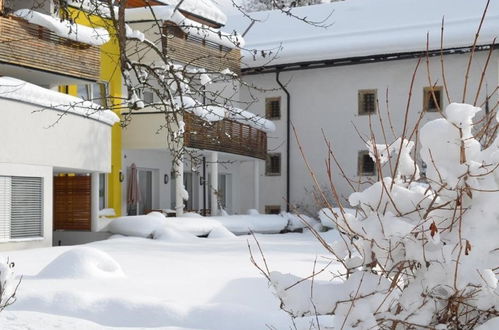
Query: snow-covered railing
{"type": "Point", "coordinates": [225, 135]}
{"type": "Point", "coordinates": [93, 36]}
{"type": "Point", "coordinates": [34, 46]}
{"type": "Point", "coordinates": [46, 99]}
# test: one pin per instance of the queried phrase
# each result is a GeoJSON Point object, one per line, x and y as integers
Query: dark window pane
{"type": "Point", "coordinates": [367, 164]}
{"type": "Point", "coordinates": [369, 103]}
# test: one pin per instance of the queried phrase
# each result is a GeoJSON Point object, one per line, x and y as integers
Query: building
{"type": "Point", "coordinates": [55, 146]}
{"type": "Point", "coordinates": [326, 76]}
{"type": "Point", "coordinates": [224, 148]}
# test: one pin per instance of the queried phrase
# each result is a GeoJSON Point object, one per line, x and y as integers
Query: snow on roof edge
{"type": "Point", "coordinates": [357, 28]}
{"type": "Point", "coordinates": [19, 90]}
{"type": "Point", "coordinates": [202, 8]}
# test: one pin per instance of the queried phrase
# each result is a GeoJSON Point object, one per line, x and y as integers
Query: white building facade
{"type": "Point", "coordinates": [354, 77]}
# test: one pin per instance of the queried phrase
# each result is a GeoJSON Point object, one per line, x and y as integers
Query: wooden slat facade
{"type": "Point", "coordinates": [72, 203]}
{"type": "Point", "coordinates": [225, 136]}
{"type": "Point", "coordinates": [198, 52]}
{"type": "Point", "coordinates": [33, 46]}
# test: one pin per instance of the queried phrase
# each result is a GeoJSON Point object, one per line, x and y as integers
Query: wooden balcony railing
{"type": "Point", "coordinates": [225, 136]}
{"type": "Point", "coordinates": [33, 46]}
{"type": "Point", "coordinates": [198, 52]}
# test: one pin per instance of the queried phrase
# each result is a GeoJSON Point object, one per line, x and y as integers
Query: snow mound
{"type": "Point", "coordinates": [82, 262]}
{"type": "Point", "coordinates": [261, 223]}
{"type": "Point", "coordinates": [299, 221]}
{"type": "Point", "coordinates": [171, 234]}
{"type": "Point", "coordinates": [198, 226]}
{"type": "Point", "coordinates": [137, 225]}
{"type": "Point", "coordinates": [221, 232]}
{"type": "Point", "coordinates": [329, 217]}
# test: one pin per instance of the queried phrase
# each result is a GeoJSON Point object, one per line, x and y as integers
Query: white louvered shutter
{"type": "Point", "coordinates": [5, 207]}
{"type": "Point", "coordinates": [26, 207]}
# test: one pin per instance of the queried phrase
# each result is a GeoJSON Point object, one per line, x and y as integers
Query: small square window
{"type": "Point", "coordinates": [365, 164]}
{"type": "Point", "coordinates": [432, 99]}
{"type": "Point", "coordinates": [367, 101]}
{"type": "Point", "coordinates": [272, 209]}
{"type": "Point", "coordinates": [273, 164]}
{"type": "Point", "coordinates": [148, 97]}
{"type": "Point", "coordinates": [273, 108]}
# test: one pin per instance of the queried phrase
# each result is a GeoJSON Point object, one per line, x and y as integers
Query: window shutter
{"type": "Point", "coordinates": [5, 206]}
{"type": "Point", "coordinates": [26, 207]}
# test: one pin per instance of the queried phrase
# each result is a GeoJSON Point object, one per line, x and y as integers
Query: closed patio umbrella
{"type": "Point", "coordinates": [133, 191]}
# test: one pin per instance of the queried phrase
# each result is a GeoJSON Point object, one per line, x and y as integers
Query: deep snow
{"type": "Point", "coordinates": [194, 283]}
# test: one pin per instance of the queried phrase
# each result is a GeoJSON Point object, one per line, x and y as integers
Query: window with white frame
{"type": "Point", "coordinates": [96, 92]}
{"type": "Point", "coordinates": [21, 207]}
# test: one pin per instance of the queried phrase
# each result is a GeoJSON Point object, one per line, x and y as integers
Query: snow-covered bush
{"type": "Point", "coordinates": [419, 253]}
{"type": "Point", "coordinates": [8, 284]}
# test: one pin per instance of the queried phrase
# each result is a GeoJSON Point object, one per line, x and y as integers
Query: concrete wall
{"type": "Point", "coordinates": [45, 172]}
{"type": "Point", "coordinates": [43, 137]}
{"type": "Point", "coordinates": [326, 99]}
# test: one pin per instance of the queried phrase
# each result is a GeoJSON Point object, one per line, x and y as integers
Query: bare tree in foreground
{"type": "Point", "coordinates": [417, 252]}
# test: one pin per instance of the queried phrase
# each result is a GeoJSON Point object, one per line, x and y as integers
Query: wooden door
{"type": "Point", "coordinates": [72, 203]}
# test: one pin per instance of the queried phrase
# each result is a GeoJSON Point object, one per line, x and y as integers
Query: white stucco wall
{"type": "Point", "coordinates": [45, 172]}
{"type": "Point", "coordinates": [326, 99]}
{"type": "Point", "coordinates": [39, 142]}
{"type": "Point", "coordinates": [42, 137]}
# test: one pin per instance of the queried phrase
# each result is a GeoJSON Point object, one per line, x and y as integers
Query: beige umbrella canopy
{"type": "Point", "coordinates": [133, 191]}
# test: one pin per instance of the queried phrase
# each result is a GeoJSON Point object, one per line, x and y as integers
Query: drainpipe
{"type": "Point", "coordinates": [288, 131]}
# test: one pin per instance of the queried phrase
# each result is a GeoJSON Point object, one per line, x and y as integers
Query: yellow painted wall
{"type": "Point", "coordinates": [110, 72]}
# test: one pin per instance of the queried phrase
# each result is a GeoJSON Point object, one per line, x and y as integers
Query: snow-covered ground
{"type": "Point", "coordinates": [196, 283]}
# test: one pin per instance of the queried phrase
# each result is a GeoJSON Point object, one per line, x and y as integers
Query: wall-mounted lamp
{"type": "Point", "coordinates": [122, 177]}
{"type": "Point", "coordinates": [166, 178]}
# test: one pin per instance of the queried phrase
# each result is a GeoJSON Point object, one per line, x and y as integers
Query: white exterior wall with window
{"type": "Point", "coordinates": [327, 99]}
{"type": "Point", "coordinates": [39, 143]}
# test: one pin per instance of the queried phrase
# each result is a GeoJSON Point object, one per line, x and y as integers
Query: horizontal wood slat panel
{"type": "Point", "coordinates": [225, 136]}
{"type": "Point", "coordinates": [31, 45]}
{"type": "Point", "coordinates": [210, 56]}
{"type": "Point", "coordinates": [72, 203]}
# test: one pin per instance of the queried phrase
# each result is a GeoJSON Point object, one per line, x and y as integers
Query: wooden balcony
{"type": "Point", "coordinates": [199, 52]}
{"type": "Point", "coordinates": [225, 136]}
{"type": "Point", "coordinates": [33, 46]}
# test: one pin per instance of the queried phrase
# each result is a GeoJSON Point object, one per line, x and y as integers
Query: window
{"type": "Point", "coordinates": [272, 209]}
{"type": "Point", "coordinates": [432, 99]}
{"type": "Point", "coordinates": [148, 97]}
{"type": "Point", "coordinates": [21, 207]}
{"type": "Point", "coordinates": [96, 92]}
{"type": "Point", "coordinates": [273, 164]}
{"type": "Point", "coordinates": [102, 191]}
{"type": "Point", "coordinates": [365, 164]}
{"type": "Point", "coordinates": [273, 108]}
{"type": "Point", "coordinates": [367, 101]}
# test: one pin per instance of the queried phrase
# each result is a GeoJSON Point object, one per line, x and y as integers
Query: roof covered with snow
{"type": "Point", "coordinates": [201, 8]}
{"type": "Point", "coordinates": [15, 89]}
{"type": "Point", "coordinates": [358, 28]}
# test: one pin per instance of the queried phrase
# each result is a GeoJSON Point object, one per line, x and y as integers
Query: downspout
{"type": "Point", "coordinates": [288, 131]}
